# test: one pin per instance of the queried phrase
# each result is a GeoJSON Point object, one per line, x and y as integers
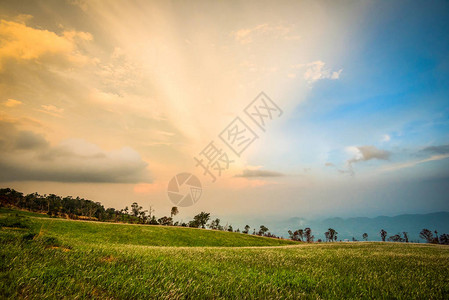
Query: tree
{"type": "Point", "coordinates": [262, 230]}
{"type": "Point", "coordinates": [383, 235]}
{"type": "Point", "coordinates": [332, 234]}
{"type": "Point", "coordinates": [365, 236]}
{"type": "Point", "coordinates": [166, 221]}
{"type": "Point", "coordinates": [308, 235]}
{"type": "Point", "coordinates": [174, 211]}
{"type": "Point", "coordinates": [405, 234]}
{"type": "Point", "coordinates": [200, 220]}
{"type": "Point", "coordinates": [215, 224]}
{"type": "Point", "coordinates": [297, 235]}
{"type": "Point", "coordinates": [427, 235]}
{"type": "Point", "coordinates": [142, 216]}
{"type": "Point", "coordinates": [246, 229]}
{"type": "Point", "coordinates": [396, 238]}
{"type": "Point", "coordinates": [326, 235]}
{"type": "Point", "coordinates": [153, 221]}
{"type": "Point", "coordinates": [135, 209]}
{"type": "Point", "coordinates": [230, 229]}
{"type": "Point", "coordinates": [444, 239]}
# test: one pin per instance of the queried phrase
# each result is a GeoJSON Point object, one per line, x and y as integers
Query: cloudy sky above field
{"type": "Point", "coordinates": [108, 100]}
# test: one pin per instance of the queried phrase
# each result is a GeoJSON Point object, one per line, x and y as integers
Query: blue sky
{"type": "Point", "coordinates": [395, 82]}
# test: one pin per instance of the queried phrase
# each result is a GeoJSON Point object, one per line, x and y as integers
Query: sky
{"type": "Point", "coordinates": [109, 100]}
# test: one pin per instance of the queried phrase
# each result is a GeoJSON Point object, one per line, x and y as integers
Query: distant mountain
{"type": "Point", "coordinates": [355, 227]}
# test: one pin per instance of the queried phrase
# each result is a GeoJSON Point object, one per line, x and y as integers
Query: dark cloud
{"type": "Point", "coordinates": [441, 149]}
{"type": "Point", "coordinates": [28, 140]}
{"type": "Point", "coordinates": [370, 152]}
{"type": "Point", "coordinates": [363, 153]}
{"type": "Point", "coordinates": [259, 173]}
{"type": "Point", "coordinates": [27, 156]}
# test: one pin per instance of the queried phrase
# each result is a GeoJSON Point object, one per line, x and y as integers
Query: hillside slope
{"type": "Point", "coordinates": [88, 232]}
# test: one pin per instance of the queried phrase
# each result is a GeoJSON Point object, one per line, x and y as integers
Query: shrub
{"type": "Point", "coordinates": [49, 241]}
{"type": "Point", "coordinates": [28, 236]}
{"type": "Point", "coordinates": [15, 222]}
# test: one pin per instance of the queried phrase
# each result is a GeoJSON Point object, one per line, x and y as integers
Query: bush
{"type": "Point", "coordinates": [28, 236]}
{"type": "Point", "coordinates": [49, 241]}
{"type": "Point", "coordinates": [15, 222]}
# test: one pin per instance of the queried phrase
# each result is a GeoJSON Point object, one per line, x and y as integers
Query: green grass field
{"type": "Point", "coordinates": [76, 259]}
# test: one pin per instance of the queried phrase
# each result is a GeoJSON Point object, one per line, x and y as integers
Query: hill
{"type": "Point", "coordinates": [90, 232]}
{"type": "Point", "coordinates": [54, 258]}
{"type": "Point", "coordinates": [355, 227]}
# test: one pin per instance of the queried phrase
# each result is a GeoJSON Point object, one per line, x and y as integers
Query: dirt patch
{"type": "Point", "coordinates": [60, 248]}
{"type": "Point", "coordinates": [108, 258]}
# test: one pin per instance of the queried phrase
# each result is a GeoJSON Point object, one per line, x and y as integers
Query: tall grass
{"type": "Point", "coordinates": [71, 267]}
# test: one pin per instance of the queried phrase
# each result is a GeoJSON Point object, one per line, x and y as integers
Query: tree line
{"type": "Point", "coordinates": [331, 235]}
{"type": "Point", "coordinates": [80, 208]}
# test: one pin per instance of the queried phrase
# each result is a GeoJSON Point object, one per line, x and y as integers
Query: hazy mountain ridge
{"type": "Point", "coordinates": [356, 226]}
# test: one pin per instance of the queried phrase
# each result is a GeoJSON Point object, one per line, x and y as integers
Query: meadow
{"type": "Point", "coordinates": [56, 258]}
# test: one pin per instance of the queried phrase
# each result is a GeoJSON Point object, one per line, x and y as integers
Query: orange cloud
{"type": "Point", "coordinates": [12, 103]}
{"type": "Point", "coordinates": [149, 188]}
{"type": "Point", "coordinates": [20, 42]}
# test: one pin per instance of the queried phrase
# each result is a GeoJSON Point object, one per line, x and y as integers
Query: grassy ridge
{"type": "Point", "coordinates": [88, 232]}
{"type": "Point", "coordinates": [118, 270]}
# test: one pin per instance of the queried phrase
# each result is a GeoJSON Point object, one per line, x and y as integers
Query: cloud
{"type": "Point", "coordinates": [360, 154]}
{"type": "Point", "coordinates": [27, 140]}
{"type": "Point", "coordinates": [28, 156]}
{"type": "Point", "coordinates": [247, 173]}
{"type": "Point", "coordinates": [349, 171]}
{"type": "Point", "coordinates": [23, 43]}
{"type": "Point", "coordinates": [414, 163]}
{"type": "Point", "coordinates": [364, 153]}
{"type": "Point", "coordinates": [441, 149]}
{"type": "Point", "coordinates": [386, 138]}
{"type": "Point", "coordinates": [316, 71]}
{"type": "Point", "coordinates": [52, 110]}
{"type": "Point", "coordinates": [12, 103]}
{"type": "Point", "coordinates": [247, 35]}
